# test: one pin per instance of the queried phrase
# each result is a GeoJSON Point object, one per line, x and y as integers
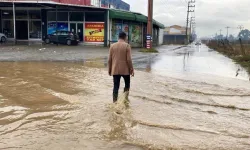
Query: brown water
{"type": "Point", "coordinates": [66, 106]}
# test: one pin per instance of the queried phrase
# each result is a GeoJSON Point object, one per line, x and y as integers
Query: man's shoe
{"type": "Point", "coordinates": [115, 97]}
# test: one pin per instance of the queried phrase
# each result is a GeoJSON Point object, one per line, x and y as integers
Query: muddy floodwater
{"type": "Point", "coordinates": [182, 98]}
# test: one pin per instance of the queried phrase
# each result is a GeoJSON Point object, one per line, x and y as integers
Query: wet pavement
{"type": "Point", "coordinates": [182, 98]}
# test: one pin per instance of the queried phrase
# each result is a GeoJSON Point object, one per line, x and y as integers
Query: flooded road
{"type": "Point", "coordinates": [196, 60]}
{"type": "Point", "coordinates": [66, 104]}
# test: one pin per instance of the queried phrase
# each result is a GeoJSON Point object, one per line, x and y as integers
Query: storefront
{"type": "Point", "coordinates": [28, 24]}
{"type": "Point", "coordinates": [88, 25]}
{"type": "Point", "coordinates": [34, 21]}
{"type": "Point", "coordinates": [134, 25]}
{"type": "Point", "coordinates": [132, 29]}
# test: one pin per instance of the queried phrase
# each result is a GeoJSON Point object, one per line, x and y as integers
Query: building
{"type": "Point", "coordinates": [33, 20]}
{"type": "Point", "coordinates": [115, 4]}
{"type": "Point", "coordinates": [175, 35]}
{"type": "Point", "coordinates": [135, 25]}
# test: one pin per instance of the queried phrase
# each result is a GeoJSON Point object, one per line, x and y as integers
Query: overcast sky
{"type": "Point", "coordinates": [211, 15]}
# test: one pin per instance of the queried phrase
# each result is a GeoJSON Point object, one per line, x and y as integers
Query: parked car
{"type": "Point", "coordinates": [62, 37]}
{"type": "Point", "coordinates": [3, 37]}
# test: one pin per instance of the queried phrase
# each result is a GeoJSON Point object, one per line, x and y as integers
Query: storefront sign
{"type": "Point", "coordinates": [116, 29]}
{"type": "Point", "coordinates": [94, 32]}
{"type": "Point", "coordinates": [125, 28]}
{"type": "Point", "coordinates": [61, 26]}
{"type": "Point", "coordinates": [135, 34]}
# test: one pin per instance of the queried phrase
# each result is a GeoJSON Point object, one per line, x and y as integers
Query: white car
{"type": "Point", "coordinates": [3, 38]}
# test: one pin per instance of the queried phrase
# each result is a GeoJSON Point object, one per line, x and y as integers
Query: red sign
{"type": "Point", "coordinates": [94, 32]}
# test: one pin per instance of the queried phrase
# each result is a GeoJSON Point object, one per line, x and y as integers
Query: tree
{"type": "Point", "coordinates": [219, 37]}
{"type": "Point", "coordinates": [244, 35]}
{"type": "Point", "coordinates": [231, 37]}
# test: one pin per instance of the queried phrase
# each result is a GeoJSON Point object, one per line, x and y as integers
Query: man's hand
{"type": "Point", "coordinates": [132, 73]}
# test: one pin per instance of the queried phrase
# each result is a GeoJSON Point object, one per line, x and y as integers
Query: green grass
{"type": "Point", "coordinates": [151, 50]}
{"type": "Point", "coordinates": [244, 61]}
{"type": "Point", "coordinates": [243, 58]}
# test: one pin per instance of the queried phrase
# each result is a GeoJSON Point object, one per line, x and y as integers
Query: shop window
{"type": "Point", "coordinates": [135, 37]}
{"type": "Point", "coordinates": [76, 16]}
{"type": "Point", "coordinates": [7, 14]}
{"type": "Point", "coordinates": [8, 28]}
{"type": "Point", "coordinates": [51, 16]}
{"type": "Point", "coordinates": [94, 16]}
{"type": "Point", "coordinates": [60, 26]}
{"type": "Point", "coordinates": [116, 29]}
{"type": "Point", "coordinates": [35, 29]}
{"type": "Point", "coordinates": [61, 16]}
{"type": "Point", "coordinates": [21, 14]}
{"type": "Point", "coordinates": [35, 14]}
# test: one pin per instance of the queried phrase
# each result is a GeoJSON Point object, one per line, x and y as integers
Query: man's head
{"type": "Point", "coordinates": [122, 36]}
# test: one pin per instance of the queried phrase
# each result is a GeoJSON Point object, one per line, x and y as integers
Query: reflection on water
{"type": "Point", "coordinates": [196, 60]}
{"type": "Point", "coordinates": [56, 105]}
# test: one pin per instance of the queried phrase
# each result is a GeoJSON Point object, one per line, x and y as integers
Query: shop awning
{"type": "Point", "coordinates": [160, 25]}
{"type": "Point", "coordinates": [125, 15]}
{"type": "Point", "coordinates": [141, 18]}
{"type": "Point", "coordinates": [116, 14]}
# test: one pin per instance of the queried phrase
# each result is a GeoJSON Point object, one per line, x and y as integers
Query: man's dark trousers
{"type": "Point", "coordinates": [116, 79]}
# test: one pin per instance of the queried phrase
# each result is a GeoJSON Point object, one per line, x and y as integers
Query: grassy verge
{"type": "Point", "coordinates": [151, 50]}
{"type": "Point", "coordinates": [244, 61]}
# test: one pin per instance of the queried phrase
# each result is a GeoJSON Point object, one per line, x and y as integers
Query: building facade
{"type": "Point", "coordinates": [94, 25]}
{"type": "Point", "coordinates": [135, 25]}
{"type": "Point", "coordinates": [175, 35]}
{"type": "Point", "coordinates": [115, 4]}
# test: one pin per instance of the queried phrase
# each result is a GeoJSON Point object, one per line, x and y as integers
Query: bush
{"type": "Point", "coordinates": [151, 50]}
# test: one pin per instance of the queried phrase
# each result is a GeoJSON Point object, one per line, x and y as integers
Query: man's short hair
{"type": "Point", "coordinates": [122, 35]}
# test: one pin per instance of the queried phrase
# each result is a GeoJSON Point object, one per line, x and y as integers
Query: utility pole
{"type": "Point", "coordinates": [227, 31]}
{"type": "Point", "coordinates": [189, 6]}
{"type": "Point", "coordinates": [191, 23]}
{"type": "Point", "coordinates": [220, 31]}
{"type": "Point", "coordinates": [150, 24]}
{"type": "Point", "coordinates": [220, 34]}
{"type": "Point", "coordinates": [56, 26]}
{"type": "Point", "coordinates": [14, 20]}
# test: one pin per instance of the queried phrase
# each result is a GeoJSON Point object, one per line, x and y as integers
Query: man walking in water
{"type": "Point", "coordinates": [120, 64]}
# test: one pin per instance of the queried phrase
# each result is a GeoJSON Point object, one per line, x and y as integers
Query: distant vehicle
{"type": "Point", "coordinates": [3, 38]}
{"type": "Point", "coordinates": [198, 43]}
{"type": "Point", "coordinates": [62, 37]}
